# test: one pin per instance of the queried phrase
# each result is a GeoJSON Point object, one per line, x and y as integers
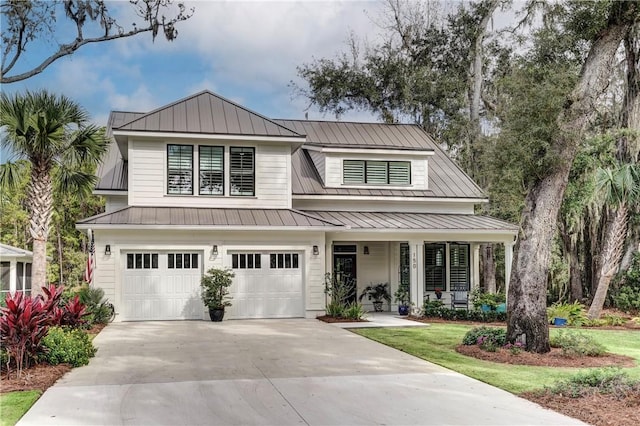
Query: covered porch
{"type": "Point", "coordinates": [420, 251]}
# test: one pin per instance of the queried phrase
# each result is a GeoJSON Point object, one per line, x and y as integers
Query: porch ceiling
{"type": "Point", "coordinates": [428, 222]}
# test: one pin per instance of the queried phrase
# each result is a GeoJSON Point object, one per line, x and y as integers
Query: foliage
{"type": "Point", "coordinates": [28, 21]}
{"type": "Point", "coordinates": [354, 311]}
{"type": "Point", "coordinates": [574, 313]}
{"type": "Point", "coordinates": [436, 309]}
{"type": "Point", "coordinates": [214, 287]}
{"type": "Point", "coordinates": [23, 325]}
{"type": "Point", "coordinates": [628, 297]}
{"type": "Point", "coordinates": [577, 344]}
{"type": "Point", "coordinates": [339, 293]}
{"type": "Point", "coordinates": [610, 381]}
{"type": "Point", "coordinates": [515, 348]}
{"type": "Point", "coordinates": [376, 292]}
{"type": "Point", "coordinates": [14, 405]}
{"type": "Point", "coordinates": [614, 320]}
{"type": "Point", "coordinates": [97, 305]}
{"type": "Point", "coordinates": [74, 312]}
{"type": "Point", "coordinates": [402, 296]}
{"type": "Point", "coordinates": [68, 346]}
{"type": "Point", "coordinates": [480, 297]}
{"type": "Point", "coordinates": [489, 335]}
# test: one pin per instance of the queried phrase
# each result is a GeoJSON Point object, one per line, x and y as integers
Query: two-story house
{"type": "Point", "coordinates": [204, 182]}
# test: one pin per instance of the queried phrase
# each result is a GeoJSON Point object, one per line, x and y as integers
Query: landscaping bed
{"type": "Point", "coordinates": [39, 377]}
{"type": "Point", "coordinates": [330, 319]}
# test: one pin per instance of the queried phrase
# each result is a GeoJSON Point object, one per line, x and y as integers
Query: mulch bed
{"type": "Point", "coordinates": [38, 377]}
{"type": "Point", "coordinates": [327, 318]}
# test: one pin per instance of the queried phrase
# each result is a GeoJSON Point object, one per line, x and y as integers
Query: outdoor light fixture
{"type": "Point", "coordinates": [366, 249]}
{"type": "Point", "coordinates": [107, 250]}
{"type": "Point", "coordinates": [316, 251]}
{"type": "Point", "coordinates": [215, 250]}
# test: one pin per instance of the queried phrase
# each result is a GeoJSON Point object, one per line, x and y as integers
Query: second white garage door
{"type": "Point", "coordinates": [266, 285]}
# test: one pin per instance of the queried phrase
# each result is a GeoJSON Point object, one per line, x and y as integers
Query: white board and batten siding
{"type": "Point", "coordinates": [148, 179]}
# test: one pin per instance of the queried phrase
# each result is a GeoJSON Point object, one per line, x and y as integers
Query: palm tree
{"type": "Point", "coordinates": [52, 132]}
{"type": "Point", "coordinates": [620, 187]}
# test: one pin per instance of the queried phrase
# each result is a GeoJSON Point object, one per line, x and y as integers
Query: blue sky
{"type": "Point", "coordinates": [245, 51]}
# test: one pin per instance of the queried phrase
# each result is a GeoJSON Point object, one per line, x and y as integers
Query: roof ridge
{"type": "Point", "coordinates": [301, 120]}
{"type": "Point", "coordinates": [304, 213]}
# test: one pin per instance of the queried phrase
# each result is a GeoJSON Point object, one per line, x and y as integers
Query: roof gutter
{"type": "Point", "coordinates": [103, 226]}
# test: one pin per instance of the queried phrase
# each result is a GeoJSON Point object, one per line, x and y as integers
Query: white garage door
{"type": "Point", "coordinates": [266, 285]}
{"type": "Point", "coordinates": [161, 286]}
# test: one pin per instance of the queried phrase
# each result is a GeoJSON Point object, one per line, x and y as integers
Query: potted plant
{"type": "Point", "coordinates": [214, 291]}
{"type": "Point", "coordinates": [438, 293]}
{"type": "Point", "coordinates": [402, 299]}
{"type": "Point", "coordinates": [378, 293]}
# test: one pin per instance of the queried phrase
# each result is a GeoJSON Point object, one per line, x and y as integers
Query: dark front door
{"type": "Point", "coordinates": [344, 270]}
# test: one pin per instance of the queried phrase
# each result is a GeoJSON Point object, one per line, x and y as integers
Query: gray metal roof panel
{"type": "Point", "coordinates": [11, 251]}
{"type": "Point", "coordinates": [185, 216]}
{"type": "Point", "coordinates": [206, 112]}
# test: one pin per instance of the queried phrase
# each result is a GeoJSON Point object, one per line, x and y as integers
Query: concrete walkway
{"type": "Point", "coordinates": [268, 372]}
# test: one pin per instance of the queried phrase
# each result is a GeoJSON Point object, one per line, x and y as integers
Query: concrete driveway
{"type": "Point", "coordinates": [268, 372]}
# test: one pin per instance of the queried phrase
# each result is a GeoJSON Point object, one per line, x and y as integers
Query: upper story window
{"type": "Point", "coordinates": [180, 169]}
{"type": "Point", "coordinates": [376, 172]}
{"type": "Point", "coordinates": [211, 170]}
{"type": "Point", "coordinates": [241, 170]}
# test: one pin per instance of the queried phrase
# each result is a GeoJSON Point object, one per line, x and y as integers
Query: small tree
{"type": "Point", "coordinates": [215, 288]}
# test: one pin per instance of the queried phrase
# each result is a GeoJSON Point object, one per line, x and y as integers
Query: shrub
{"type": "Point", "coordinates": [601, 380]}
{"type": "Point", "coordinates": [612, 319]}
{"type": "Point", "coordinates": [573, 312]}
{"type": "Point", "coordinates": [479, 298]}
{"type": "Point", "coordinates": [515, 348]}
{"type": "Point", "coordinates": [73, 313]}
{"type": "Point", "coordinates": [487, 343]}
{"type": "Point", "coordinates": [354, 311]}
{"type": "Point", "coordinates": [339, 292]}
{"type": "Point", "coordinates": [576, 344]}
{"type": "Point", "coordinates": [628, 297]}
{"type": "Point", "coordinates": [96, 304]}
{"type": "Point", "coordinates": [498, 335]}
{"type": "Point", "coordinates": [68, 346]}
{"type": "Point", "coordinates": [23, 325]}
{"type": "Point", "coordinates": [335, 309]}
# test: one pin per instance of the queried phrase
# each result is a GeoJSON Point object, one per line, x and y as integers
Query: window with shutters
{"type": "Point", "coordinates": [459, 267]}
{"type": "Point", "coordinates": [211, 159]}
{"type": "Point", "coordinates": [376, 172]}
{"type": "Point", "coordinates": [435, 268]}
{"type": "Point", "coordinates": [242, 171]}
{"type": "Point", "coordinates": [180, 169]}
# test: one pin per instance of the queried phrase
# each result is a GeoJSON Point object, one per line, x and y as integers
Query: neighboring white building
{"type": "Point", "coordinates": [15, 270]}
{"type": "Point", "coordinates": [204, 182]}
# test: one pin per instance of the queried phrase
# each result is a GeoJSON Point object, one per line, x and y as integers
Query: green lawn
{"type": "Point", "coordinates": [437, 343]}
{"type": "Point", "coordinates": [13, 405]}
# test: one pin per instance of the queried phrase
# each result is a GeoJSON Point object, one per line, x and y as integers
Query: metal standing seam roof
{"type": "Point", "coordinates": [415, 221]}
{"type": "Point", "coordinates": [208, 113]}
{"type": "Point", "coordinates": [11, 251]}
{"type": "Point", "coordinates": [185, 216]}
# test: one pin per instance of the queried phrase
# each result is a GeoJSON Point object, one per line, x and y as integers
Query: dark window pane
{"type": "Point", "coordinates": [241, 171]}
{"type": "Point", "coordinates": [211, 170]}
{"type": "Point", "coordinates": [178, 260]}
{"type": "Point", "coordinates": [154, 261]}
{"type": "Point", "coordinates": [147, 261]}
{"type": "Point", "coordinates": [243, 261]}
{"type": "Point", "coordinates": [180, 169]}
{"type": "Point", "coordinates": [194, 261]}
{"type": "Point", "coordinates": [295, 260]}
{"type": "Point", "coordinates": [5, 276]}
{"type": "Point", "coordinates": [187, 261]}
{"type": "Point", "coordinates": [250, 261]}
{"type": "Point", "coordinates": [138, 260]}
{"type": "Point", "coordinates": [287, 260]}
{"type": "Point", "coordinates": [280, 261]}
{"type": "Point", "coordinates": [27, 282]}
{"type": "Point", "coordinates": [171, 260]}
{"type": "Point", "coordinates": [19, 276]}
{"type": "Point", "coordinates": [272, 261]}
{"type": "Point", "coordinates": [258, 261]}
{"type": "Point", "coordinates": [234, 261]}
{"type": "Point", "coordinates": [130, 261]}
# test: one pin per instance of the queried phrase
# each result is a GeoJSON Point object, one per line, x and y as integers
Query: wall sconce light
{"type": "Point", "coordinates": [214, 250]}
{"type": "Point", "coordinates": [316, 251]}
{"type": "Point", "coordinates": [107, 250]}
{"type": "Point", "coordinates": [366, 249]}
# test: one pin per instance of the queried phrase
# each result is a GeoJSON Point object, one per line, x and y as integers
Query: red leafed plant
{"type": "Point", "coordinates": [51, 303]}
{"type": "Point", "coordinates": [23, 324]}
{"type": "Point", "coordinates": [73, 313]}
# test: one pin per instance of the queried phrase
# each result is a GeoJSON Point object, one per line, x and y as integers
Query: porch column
{"type": "Point", "coordinates": [417, 273]}
{"type": "Point", "coordinates": [508, 260]}
{"type": "Point", "coordinates": [328, 255]}
{"type": "Point", "coordinates": [476, 266]}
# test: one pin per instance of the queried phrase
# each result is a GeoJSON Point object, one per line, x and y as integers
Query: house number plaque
{"type": "Point", "coordinates": [414, 261]}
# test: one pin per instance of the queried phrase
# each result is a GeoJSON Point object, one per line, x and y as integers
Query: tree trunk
{"type": "Point", "coordinates": [627, 258]}
{"type": "Point", "coordinates": [527, 316]}
{"type": "Point", "coordinates": [611, 253]}
{"type": "Point", "coordinates": [61, 281]}
{"type": "Point", "coordinates": [488, 267]}
{"type": "Point", "coordinates": [40, 209]}
{"type": "Point", "coordinates": [575, 272]}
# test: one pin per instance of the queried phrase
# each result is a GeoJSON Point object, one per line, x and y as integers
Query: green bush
{"type": "Point", "coordinates": [473, 336]}
{"type": "Point", "coordinates": [68, 347]}
{"type": "Point", "coordinates": [573, 312]}
{"type": "Point", "coordinates": [612, 319]}
{"type": "Point", "coordinates": [602, 380]}
{"type": "Point", "coordinates": [577, 344]}
{"type": "Point", "coordinates": [628, 297]}
{"type": "Point", "coordinates": [436, 309]}
{"type": "Point", "coordinates": [96, 304]}
{"type": "Point", "coordinates": [354, 311]}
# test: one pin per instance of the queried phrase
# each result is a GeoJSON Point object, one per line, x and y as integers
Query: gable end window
{"type": "Point", "coordinates": [376, 172]}
{"type": "Point", "coordinates": [211, 170]}
{"type": "Point", "coordinates": [180, 169]}
{"type": "Point", "coordinates": [242, 171]}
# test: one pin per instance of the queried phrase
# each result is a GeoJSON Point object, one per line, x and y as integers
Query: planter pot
{"type": "Point", "coordinates": [559, 322]}
{"type": "Point", "coordinates": [403, 310]}
{"type": "Point", "coordinates": [485, 308]}
{"type": "Point", "coordinates": [438, 296]}
{"type": "Point", "coordinates": [377, 306]}
{"type": "Point", "coordinates": [501, 307]}
{"type": "Point", "coordinates": [216, 314]}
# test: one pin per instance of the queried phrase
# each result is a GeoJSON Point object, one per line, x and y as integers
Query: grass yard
{"type": "Point", "coordinates": [13, 405]}
{"type": "Point", "coordinates": [437, 344]}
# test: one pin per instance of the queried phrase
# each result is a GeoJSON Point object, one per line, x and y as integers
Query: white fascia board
{"type": "Point", "coordinates": [172, 135]}
{"type": "Point", "coordinates": [209, 228]}
{"type": "Point", "coordinates": [451, 232]}
{"type": "Point", "coordinates": [359, 150]}
{"type": "Point", "coordinates": [383, 198]}
{"type": "Point", "coordinates": [109, 192]}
